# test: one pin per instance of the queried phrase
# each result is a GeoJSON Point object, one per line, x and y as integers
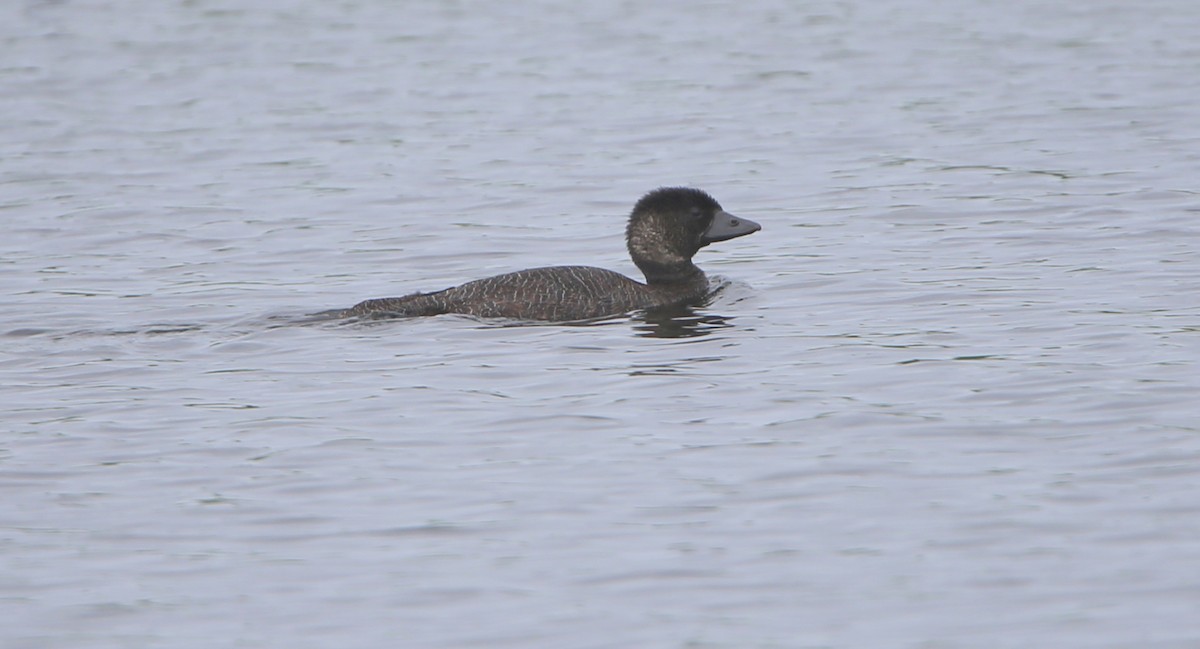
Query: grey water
{"type": "Point", "coordinates": [947, 398]}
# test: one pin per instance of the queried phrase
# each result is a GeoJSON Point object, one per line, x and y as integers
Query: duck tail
{"type": "Point", "coordinates": [416, 304]}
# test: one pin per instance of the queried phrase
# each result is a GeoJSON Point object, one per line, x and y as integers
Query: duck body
{"type": "Point", "coordinates": [666, 228]}
{"type": "Point", "coordinates": [561, 293]}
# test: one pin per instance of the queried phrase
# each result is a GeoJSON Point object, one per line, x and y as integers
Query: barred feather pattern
{"type": "Point", "coordinates": [555, 293]}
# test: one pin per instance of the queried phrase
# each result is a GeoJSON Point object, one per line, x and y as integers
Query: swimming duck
{"type": "Point", "coordinates": [667, 227]}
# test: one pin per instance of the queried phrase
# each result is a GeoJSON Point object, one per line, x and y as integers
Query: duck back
{"type": "Point", "coordinates": [552, 293]}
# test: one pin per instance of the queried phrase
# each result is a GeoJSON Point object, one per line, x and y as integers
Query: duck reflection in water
{"type": "Point", "coordinates": [678, 321]}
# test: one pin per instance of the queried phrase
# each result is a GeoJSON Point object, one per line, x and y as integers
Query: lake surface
{"type": "Point", "coordinates": [947, 398]}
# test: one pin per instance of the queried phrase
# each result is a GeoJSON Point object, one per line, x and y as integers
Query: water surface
{"type": "Point", "coordinates": [946, 398]}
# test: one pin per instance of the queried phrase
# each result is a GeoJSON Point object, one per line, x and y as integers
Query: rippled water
{"type": "Point", "coordinates": [947, 397]}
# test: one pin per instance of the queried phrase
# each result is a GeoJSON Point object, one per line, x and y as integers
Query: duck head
{"type": "Point", "coordinates": [668, 226]}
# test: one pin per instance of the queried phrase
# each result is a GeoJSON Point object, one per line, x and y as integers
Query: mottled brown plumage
{"type": "Point", "coordinates": [666, 228]}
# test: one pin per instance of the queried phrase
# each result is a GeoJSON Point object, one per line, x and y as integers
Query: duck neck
{"type": "Point", "coordinates": [675, 273]}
